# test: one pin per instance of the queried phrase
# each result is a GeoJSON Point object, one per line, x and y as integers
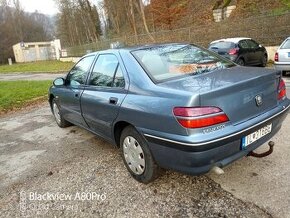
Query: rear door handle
{"type": "Point", "coordinates": [113, 100]}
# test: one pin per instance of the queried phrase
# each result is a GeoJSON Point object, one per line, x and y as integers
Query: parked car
{"type": "Point", "coordinates": [243, 51]}
{"type": "Point", "coordinates": [282, 56]}
{"type": "Point", "coordinates": [174, 106]}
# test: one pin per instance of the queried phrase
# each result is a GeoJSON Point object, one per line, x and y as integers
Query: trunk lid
{"type": "Point", "coordinates": [233, 90]}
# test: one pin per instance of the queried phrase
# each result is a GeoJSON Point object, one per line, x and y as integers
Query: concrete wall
{"type": "Point", "coordinates": [271, 52]}
{"type": "Point", "coordinates": [221, 14]}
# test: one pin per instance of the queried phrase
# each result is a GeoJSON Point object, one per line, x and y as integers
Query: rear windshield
{"type": "Point", "coordinates": [171, 61]}
{"type": "Point", "coordinates": [286, 44]}
{"type": "Point", "coordinates": [222, 45]}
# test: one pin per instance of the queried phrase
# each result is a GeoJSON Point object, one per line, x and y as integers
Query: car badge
{"type": "Point", "coordinates": [259, 100]}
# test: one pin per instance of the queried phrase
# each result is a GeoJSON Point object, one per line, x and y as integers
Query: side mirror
{"type": "Point", "coordinates": [58, 82]}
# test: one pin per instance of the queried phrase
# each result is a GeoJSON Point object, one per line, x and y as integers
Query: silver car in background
{"type": "Point", "coordinates": [282, 57]}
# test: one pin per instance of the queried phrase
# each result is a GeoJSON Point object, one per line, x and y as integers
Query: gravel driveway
{"type": "Point", "coordinates": [46, 171]}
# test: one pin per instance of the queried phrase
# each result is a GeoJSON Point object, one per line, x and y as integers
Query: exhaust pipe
{"type": "Point", "coordinates": [217, 170]}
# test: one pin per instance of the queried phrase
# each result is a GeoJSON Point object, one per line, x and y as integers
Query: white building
{"type": "Point", "coordinates": [37, 51]}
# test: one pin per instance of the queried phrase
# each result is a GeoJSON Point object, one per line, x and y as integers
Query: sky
{"type": "Point", "coordinates": [43, 6]}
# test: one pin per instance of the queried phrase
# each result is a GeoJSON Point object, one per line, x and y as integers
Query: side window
{"type": "Point", "coordinates": [243, 44]}
{"type": "Point", "coordinates": [119, 78]}
{"type": "Point", "coordinates": [253, 44]}
{"type": "Point", "coordinates": [107, 72]}
{"type": "Point", "coordinates": [77, 75]}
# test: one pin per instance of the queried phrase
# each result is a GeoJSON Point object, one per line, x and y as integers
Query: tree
{"type": "Point", "coordinates": [17, 26]}
{"type": "Point", "coordinates": [141, 7]}
{"type": "Point", "coordinates": [78, 22]}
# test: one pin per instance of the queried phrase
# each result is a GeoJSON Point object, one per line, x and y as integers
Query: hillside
{"type": "Point", "coordinates": [201, 11]}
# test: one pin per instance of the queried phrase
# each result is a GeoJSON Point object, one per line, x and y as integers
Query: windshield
{"type": "Point", "coordinates": [286, 44]}
{"type": "Point", "coordinates": [170, 61]}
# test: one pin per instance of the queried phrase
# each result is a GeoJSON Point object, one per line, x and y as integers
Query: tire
{"type": "Point", "coordinates": [241, 62]}
{"type": "Point", "coordinates": [137, 156]}
{"type": "Point", "coordinates": [61, 122]}
{"type": "Point", "coordinates": [264, 61]}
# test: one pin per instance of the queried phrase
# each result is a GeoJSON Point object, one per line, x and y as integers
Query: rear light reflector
{"type": "Point", "coordinates": [233, 51]}
{"type": "Point", "coordinates": [195, 111]}
{"type": "Point", "coordinates": [198, 117]}
{"type": "Point", "coordinates": [276, 58]}
{"type": "Point", "coordinates": [281, 90]}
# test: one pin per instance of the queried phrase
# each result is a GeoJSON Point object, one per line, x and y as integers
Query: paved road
{"type": "Point", "coordinates": [266, 181]}
{"type": "Point", "coordinates": [28, 76]}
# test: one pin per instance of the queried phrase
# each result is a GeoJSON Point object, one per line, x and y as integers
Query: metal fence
{"type": "Point", "coordinates": [269, 30]}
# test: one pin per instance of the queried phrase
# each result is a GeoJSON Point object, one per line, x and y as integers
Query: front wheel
{"type": "Point", "coordinates": [137, 156]}
{"type": "Point", "coordinates": [61, 122]}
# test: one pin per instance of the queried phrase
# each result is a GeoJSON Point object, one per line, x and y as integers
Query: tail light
{"type": "Point", "coordinates": [198, 117]}
{"type": "Point", "coordinates": [281, 90]}
{"type": "Point", "coordinates": [276, 58]}
{"type": "Point", "coordinates": [233, 51]}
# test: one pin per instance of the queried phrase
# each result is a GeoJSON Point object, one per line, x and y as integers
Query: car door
{"type": "Point", "coordinates": [256, 51]}
{"type": "Point", "coordinates": [106, 89]}
{"type": "Point", "coordinates": [69, 97]}
{"type": "Point", "coordinates": [245, 52]}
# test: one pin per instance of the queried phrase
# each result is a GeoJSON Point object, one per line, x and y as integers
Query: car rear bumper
{"type": "Point", "coordinates": [197, 160]}
{"type": "Point", "coordinates": [282, 67]}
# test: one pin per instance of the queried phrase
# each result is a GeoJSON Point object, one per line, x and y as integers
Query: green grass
{"type": "Point", "coordinates": [15, 94]}
{"type": "Point", "coordinates": [39, 66]}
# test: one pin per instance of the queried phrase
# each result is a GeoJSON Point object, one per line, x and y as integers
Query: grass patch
{"type": "Point", "coordinates": [39, 66]}
{"type": "Point", "coordinates": [15, 94]}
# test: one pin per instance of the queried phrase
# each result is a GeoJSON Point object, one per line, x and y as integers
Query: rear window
{"type": "Point", "coordinates": [286, 44]}
{"type": "Point", "coordinates": [170, 61]}
{"type": "Point", "coordinates": [222, 45]}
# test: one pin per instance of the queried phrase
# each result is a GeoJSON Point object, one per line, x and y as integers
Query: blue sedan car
{"type": "Point", "coordinates": [174, 106]}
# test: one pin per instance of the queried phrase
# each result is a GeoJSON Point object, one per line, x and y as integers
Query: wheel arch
{"type": "Point", "coordinates": [117, 131]}
{"type": "Point", "coordinates": [51, 97]}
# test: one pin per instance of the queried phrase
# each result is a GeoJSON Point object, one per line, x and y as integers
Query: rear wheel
{"type": "Point", "coordinates": [61, 122]}
{"type": "Point", "coordinates": [137, 156]}
{"type": "Point", "coordinates": [241, 62]}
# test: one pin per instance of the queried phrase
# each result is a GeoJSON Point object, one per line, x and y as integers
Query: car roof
{"type": "Point", "coordinates": [234, 40]}
{"type": "Point", "coordinates": [134, 48]}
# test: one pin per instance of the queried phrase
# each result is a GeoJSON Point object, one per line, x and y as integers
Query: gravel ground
{"type": "Point", "coordinates": [37, 157]}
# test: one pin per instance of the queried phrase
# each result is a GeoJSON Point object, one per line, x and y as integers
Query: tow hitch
{"type": "Point", "coordinates": [271, 148]}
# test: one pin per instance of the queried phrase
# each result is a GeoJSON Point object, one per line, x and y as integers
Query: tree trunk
{"type": "Point", "coordinates": [142, 13]}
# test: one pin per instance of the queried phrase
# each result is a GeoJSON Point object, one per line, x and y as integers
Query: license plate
{"type": "Point", "coordinates": [251, 138]}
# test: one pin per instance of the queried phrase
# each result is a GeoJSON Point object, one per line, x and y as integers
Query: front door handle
{"type": "Point", "coordinates": [76, 95]}
{"type": "Point", "coordinates": [113, 100]}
